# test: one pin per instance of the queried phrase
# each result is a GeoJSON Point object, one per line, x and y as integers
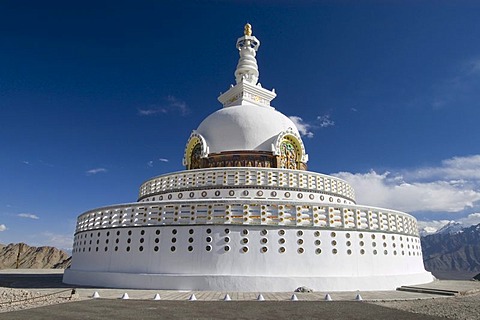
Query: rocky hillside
{"type": "Point", "coordinates": [453, 251]}
{"type": "Point", "coordinates": [64, 264]}
{"type": "Point", "coordinates": [31, 257]}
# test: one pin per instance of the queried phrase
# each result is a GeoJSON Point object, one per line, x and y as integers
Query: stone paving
{"type": "Point", "coordinates": [245, 296]}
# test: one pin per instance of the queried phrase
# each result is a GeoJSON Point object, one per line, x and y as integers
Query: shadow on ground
{"type": "Point", "coordinates": [454, 275]}
{"type": "Point", "coordinates": [32, 281]}
{"type": "Point", "coordinates": [130, 309]}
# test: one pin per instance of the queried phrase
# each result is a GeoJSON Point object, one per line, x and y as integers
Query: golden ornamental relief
{"type": "Point", "coordinates": [195, 158]}
{"type": "Point", "coordinates": [288, 155]}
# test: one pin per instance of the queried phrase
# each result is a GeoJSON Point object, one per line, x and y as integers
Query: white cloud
{"type": "Point", "coordinates": [325, 121]}
{"type": "Point", "coordinates": [179, 105]}
{"type": "Point", "coordinates": [28, 216]}
{"type": "Point", "coordinates": [461, 169]}
{"type": "Point", "coordinates": [473, 66]}
{"type": "Point", "coordinates": [60, 241]}
{"type": "Point", "coordinates": [151, 162]}
{"type": "Point", "coordinates": [303, 127]}
{"type": "Point", "coordinates": [152, 111]}
{"type": "Point", "coordinates": [95, 171]}
{"type": "Point", "coordinates": [172, 105]}
{"type": "Point", "coordinates": [471, 219]}
{"type": "Point", "coordinates": [26, 162]}
{"type": "Point", "coordinates": [3, 227]}
{"type": "Point", "coordinates": [46, 164]}
{"type": "Point", "coordinates": [451, 187]}
{"type": "Point", "coordinates": [459, 89]}
{"type": "Point", "coordinates": [306, 128]}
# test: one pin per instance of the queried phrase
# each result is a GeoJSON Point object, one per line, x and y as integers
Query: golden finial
{"type": "Point", "coordinates": [248, 29]}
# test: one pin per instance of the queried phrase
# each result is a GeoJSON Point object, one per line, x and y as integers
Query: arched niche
{"type": "Point", "coordinates": [290, 151]}
{"type": "Point", "coordinates": [195, 151]}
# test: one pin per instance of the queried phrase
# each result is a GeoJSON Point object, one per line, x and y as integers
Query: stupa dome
{"type": "Point", "coordinates": [244, 128]}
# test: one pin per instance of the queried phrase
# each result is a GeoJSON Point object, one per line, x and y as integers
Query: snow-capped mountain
{"type": "Point", "coordinates": [452, 248]}
{"type": "Point", "coordinates": [452, 228]}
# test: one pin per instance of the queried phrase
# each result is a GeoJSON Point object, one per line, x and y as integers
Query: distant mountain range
{"type": "Point", "coordinates": [23, 256]}
{"type": "Point", "coordinates": [451, 228]}
{"type": "Point", "coordinates": [453, 248]}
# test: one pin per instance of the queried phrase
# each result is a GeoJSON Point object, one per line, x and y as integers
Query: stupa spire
{"type": "Point", "coordinates": [247, 68]}
{"type": "Point", "coordinates": [247, 90]}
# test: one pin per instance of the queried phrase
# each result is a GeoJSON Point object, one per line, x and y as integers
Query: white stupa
{"type": "Point", "coordinates": [246, 215]}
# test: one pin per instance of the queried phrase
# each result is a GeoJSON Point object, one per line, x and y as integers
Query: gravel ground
{"type": "Point", "coordinates": [459, 307]}
{"type": "Point", "coordinates": [19, 299]}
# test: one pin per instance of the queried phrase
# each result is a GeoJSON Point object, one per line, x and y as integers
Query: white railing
{"type": "Point", "coordinates": [247, 177]}
{"type": "Point", "coordinates": [248, 212]}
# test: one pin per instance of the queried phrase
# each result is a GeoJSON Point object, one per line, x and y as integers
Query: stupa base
{"type": "Point", "coordinates": [242, 283]}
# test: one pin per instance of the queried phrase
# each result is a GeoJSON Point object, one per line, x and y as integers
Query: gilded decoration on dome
{"type": "Point", "coordinates": [288, 155]}
{"type": "Point", "coordinates": [195, 160]}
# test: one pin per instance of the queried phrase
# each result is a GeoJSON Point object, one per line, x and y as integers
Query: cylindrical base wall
{"type": "Point", "coordinates": [246, 258]}
{"type": "Point", "coordinates": [240, 283]}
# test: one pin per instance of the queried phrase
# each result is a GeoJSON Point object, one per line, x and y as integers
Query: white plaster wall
{"type": "Point", "coordinates": [317, 198]}
{"type": "Point", "coordinates": [245, 127]}
{"type": "Point", "coordinates": [259, 178]}
{"type": "Point", "coordinates": [235, 264]}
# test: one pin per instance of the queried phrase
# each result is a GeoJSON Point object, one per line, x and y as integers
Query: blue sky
{"type": "Point", "coordinates": [96, 97]}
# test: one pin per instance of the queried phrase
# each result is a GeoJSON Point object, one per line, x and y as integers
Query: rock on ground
{"type": "Point", "coordinates": [19, 299]}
